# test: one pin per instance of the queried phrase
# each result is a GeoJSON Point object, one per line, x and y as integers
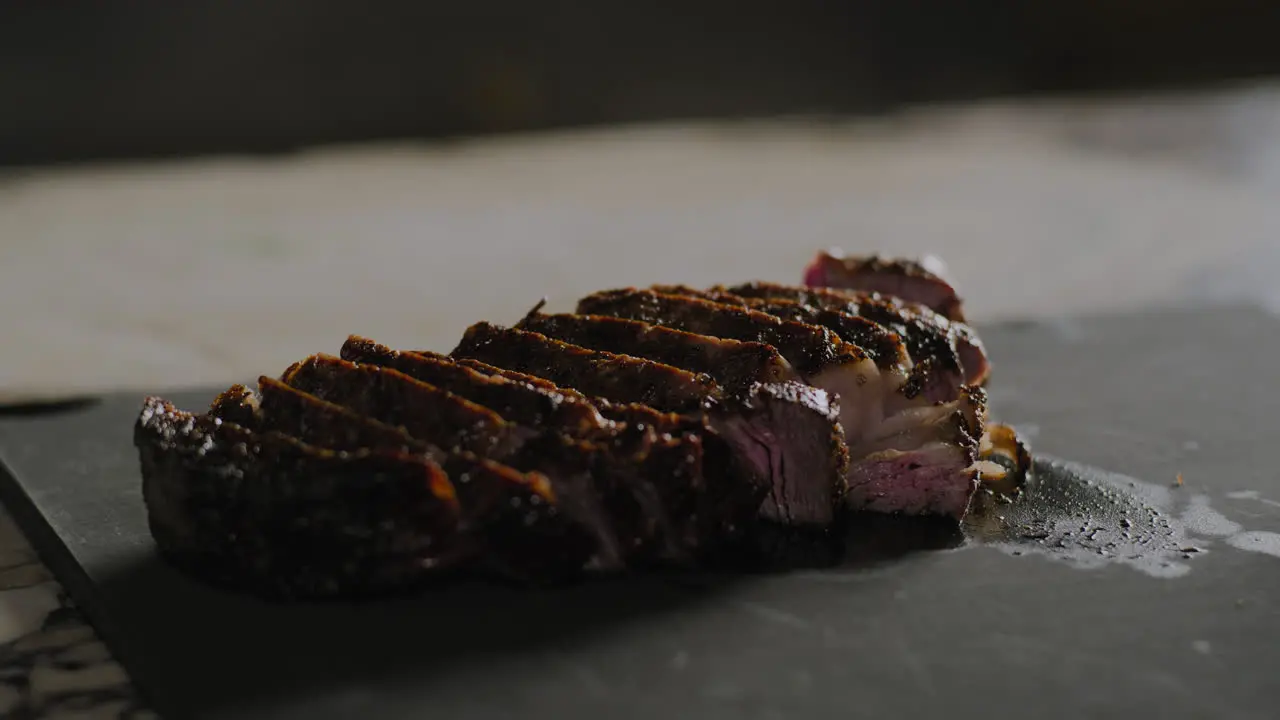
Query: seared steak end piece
{"type": "Point", "coordinates": [286, 518]}
{"type": "Point", "coordinates": [266, 511]}
{"type": "Point", "coordinates": [906, 279]}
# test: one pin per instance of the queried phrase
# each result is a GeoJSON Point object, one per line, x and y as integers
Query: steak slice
{"type": "Point", "coordinates": [810, 465]}
{"type": "Point", "coordinates": [269, 512]}
{"type": "Point", "coordinates": [436, 416]}
{"type": "Point", "coordinates": [952, 345]}
{"type": "Point", "coordinates": [529, 404]}
{"type": "Point", "coordinates": [906, 279]}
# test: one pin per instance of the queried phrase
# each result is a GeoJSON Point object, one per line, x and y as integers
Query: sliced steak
{"type": "Point", "coordinates": [898, 277]}
{"type": "Point", "coordinates": [268, 511]}
{"type": "Point", "coordinates": [761, 466]}
{"type": "Point", "coordinates": [952, 345]}
{"type": "Point", "coordinates": [436, 416]}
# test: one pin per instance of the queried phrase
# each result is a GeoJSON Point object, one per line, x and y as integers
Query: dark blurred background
{"type": "Point", "coordinates": [111, 80]}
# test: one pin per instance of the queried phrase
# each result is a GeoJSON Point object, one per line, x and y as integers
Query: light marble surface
{"type": "Point", "coordinates": [158, 275]}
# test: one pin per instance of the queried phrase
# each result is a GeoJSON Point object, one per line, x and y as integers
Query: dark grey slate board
{"type": "Point", "coordinates": [968, 631]}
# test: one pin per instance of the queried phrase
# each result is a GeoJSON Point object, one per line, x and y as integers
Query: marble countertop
{"type": "Point", "coordinates": [158, 275]}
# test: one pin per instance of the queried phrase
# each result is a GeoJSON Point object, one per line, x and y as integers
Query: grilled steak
{"type": "Point", "coordinates": [802, 476]}
{"type": "Point", "coordinates": [666, 426]}
{"type": "Point", "coordinates": [287, 518]}
{"type": "Point", "coordinates": [905, 279]}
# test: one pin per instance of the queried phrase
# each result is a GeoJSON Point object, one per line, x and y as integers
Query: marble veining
{"type": "Point", "coordinates": [52, 663]}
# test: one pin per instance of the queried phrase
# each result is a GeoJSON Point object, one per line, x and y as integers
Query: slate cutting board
{"type": "Point", "coordinates": [974, 629]}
